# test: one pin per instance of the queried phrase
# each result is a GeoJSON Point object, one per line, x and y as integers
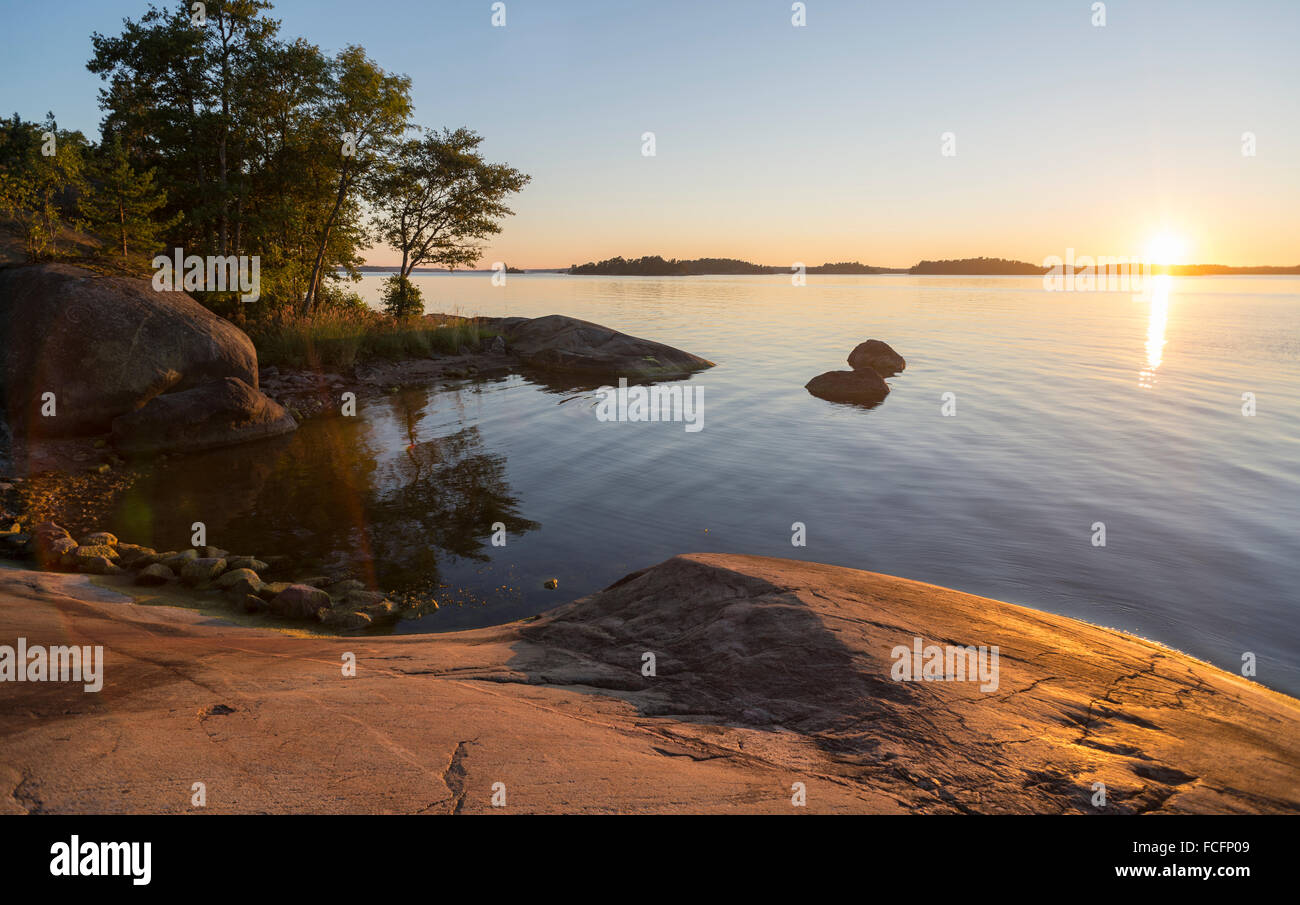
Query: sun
{"type": "Point", "coordinates": [1165, 249]}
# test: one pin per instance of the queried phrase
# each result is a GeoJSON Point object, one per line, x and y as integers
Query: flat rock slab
{"type": "Point", "coordinates": [768, 672]}
{"type": "Point", "coordinates": [568, 345]}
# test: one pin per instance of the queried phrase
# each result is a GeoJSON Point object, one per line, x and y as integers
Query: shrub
{"type": "Point", "coordinates": [402, 298]}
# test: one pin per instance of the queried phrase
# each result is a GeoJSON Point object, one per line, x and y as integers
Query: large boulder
{"type": "Point", "coordinates": [864, 387]}
{"type": "Point", "coordinates": [104, 346]}
{"type": "Point", "coordinates": [566, 344]}
{"type": "Point", "coordinates": [215, 414]}
{"type": "Point", "coordinates": [878, 356]}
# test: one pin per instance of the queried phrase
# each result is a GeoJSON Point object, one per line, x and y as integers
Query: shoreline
{"type": "Point", "coordinates": [769, 672]}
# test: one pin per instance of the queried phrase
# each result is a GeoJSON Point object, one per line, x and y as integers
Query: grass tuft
{"type": "Point", "coordinates": [341, 339]}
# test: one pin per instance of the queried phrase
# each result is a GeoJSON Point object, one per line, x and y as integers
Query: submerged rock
{"type": "Point", "coordinates": [864, 387]}
{"type": "Point", "coordinates": [877, 356]}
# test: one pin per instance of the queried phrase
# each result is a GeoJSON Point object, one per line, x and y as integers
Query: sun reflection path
{"type": "Point", "coordinates": [1159, 318]}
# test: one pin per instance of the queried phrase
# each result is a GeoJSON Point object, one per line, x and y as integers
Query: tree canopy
{"type": "Point", "coordinates": [222, 137]}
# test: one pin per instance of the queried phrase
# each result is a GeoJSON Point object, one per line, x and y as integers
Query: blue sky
{"type": "Point", "coordinates": [778, 144]}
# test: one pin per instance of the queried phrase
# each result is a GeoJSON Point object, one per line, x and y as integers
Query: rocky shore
{"type": "Point", "coordinates": [99, 370]}
{"type": "Point", "coordinates": [768, 673]}
{"type": "Point", "coordinates": [234, 581]}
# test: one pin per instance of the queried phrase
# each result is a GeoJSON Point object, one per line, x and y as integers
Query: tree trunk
{"type": "Point", "coordinates": [314, 285]}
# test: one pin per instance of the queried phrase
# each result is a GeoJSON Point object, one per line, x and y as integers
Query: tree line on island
{"type": "Point", "coordinates": [654, 265]}
{"type": "Point", "coordinates": [223, 138]}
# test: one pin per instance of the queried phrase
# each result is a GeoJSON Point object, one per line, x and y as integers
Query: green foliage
{"type": "Point", "coordinates": [402, 298]}
{"type": "Point", "coordinates": [437, 198]}
{"type": "Point", "coordinates": [246, 132]}
{"type": "Point", "coordinates": [231, 140]}
{"type": "Point", "coordinates": [339, 338]}
{"type": "Point", "coordinates": [42, 173]}
{"type": "Point", "coordinates": [122, 208]}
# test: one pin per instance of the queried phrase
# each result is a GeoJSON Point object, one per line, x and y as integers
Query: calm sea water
{"type": "Point", "coordinates": [1071, 409]}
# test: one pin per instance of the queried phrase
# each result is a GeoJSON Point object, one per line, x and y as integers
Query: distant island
{"type": "Point", "coordinates": [656, 266]}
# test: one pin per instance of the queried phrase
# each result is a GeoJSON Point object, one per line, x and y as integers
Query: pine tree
{"type": "Point", "coordinates": [123, 204]}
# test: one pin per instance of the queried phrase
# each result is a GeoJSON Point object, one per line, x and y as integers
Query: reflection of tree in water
{"type": "Point", "coordinates": [442, 497]}
{"type": "Point", "coordinates": [333, 496]}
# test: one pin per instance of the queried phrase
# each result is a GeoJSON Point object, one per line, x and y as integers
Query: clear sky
{"type": "Point", "coordinates": [778, 144]}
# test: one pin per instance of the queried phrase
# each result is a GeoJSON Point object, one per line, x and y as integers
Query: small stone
{"type": "Point", "coordinates": [89, 550]}
{"type": "Point", "coordinates": [97, 565]}
{"type": "Point", "coordinates": [343, 587]}
{"type": "Point", "coordinates": [135, 557]}
{"type": "Point", "coordinates": [49, 551]}
{"type": "Point", "coordinates": [299, 601]}
{"type": "Point", "coordinates": [251, 603]}
{"type": "Point", "coordinates": [99, 539]}
{"type": "Point", "coordinates": [14, 543]}
{"type": "Point", "coordinates": [344, 619]}
{"type": "Point", "coordinates": [98, 469]}
{"type": "Point", "coordinates": [383, 612]}
{"type": "Point", "coordinates": [231, 576]}
{"type": "Point", "coordinates": [177, 561]}
{"type": "Point", "coordinates": [155, 574]}
{"type": "Point", "coordinates": [246, 562]}
{"type": "Point", "coordinates": [200, 570]}
{"type": "Point", "coordinates": [270, 590]}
